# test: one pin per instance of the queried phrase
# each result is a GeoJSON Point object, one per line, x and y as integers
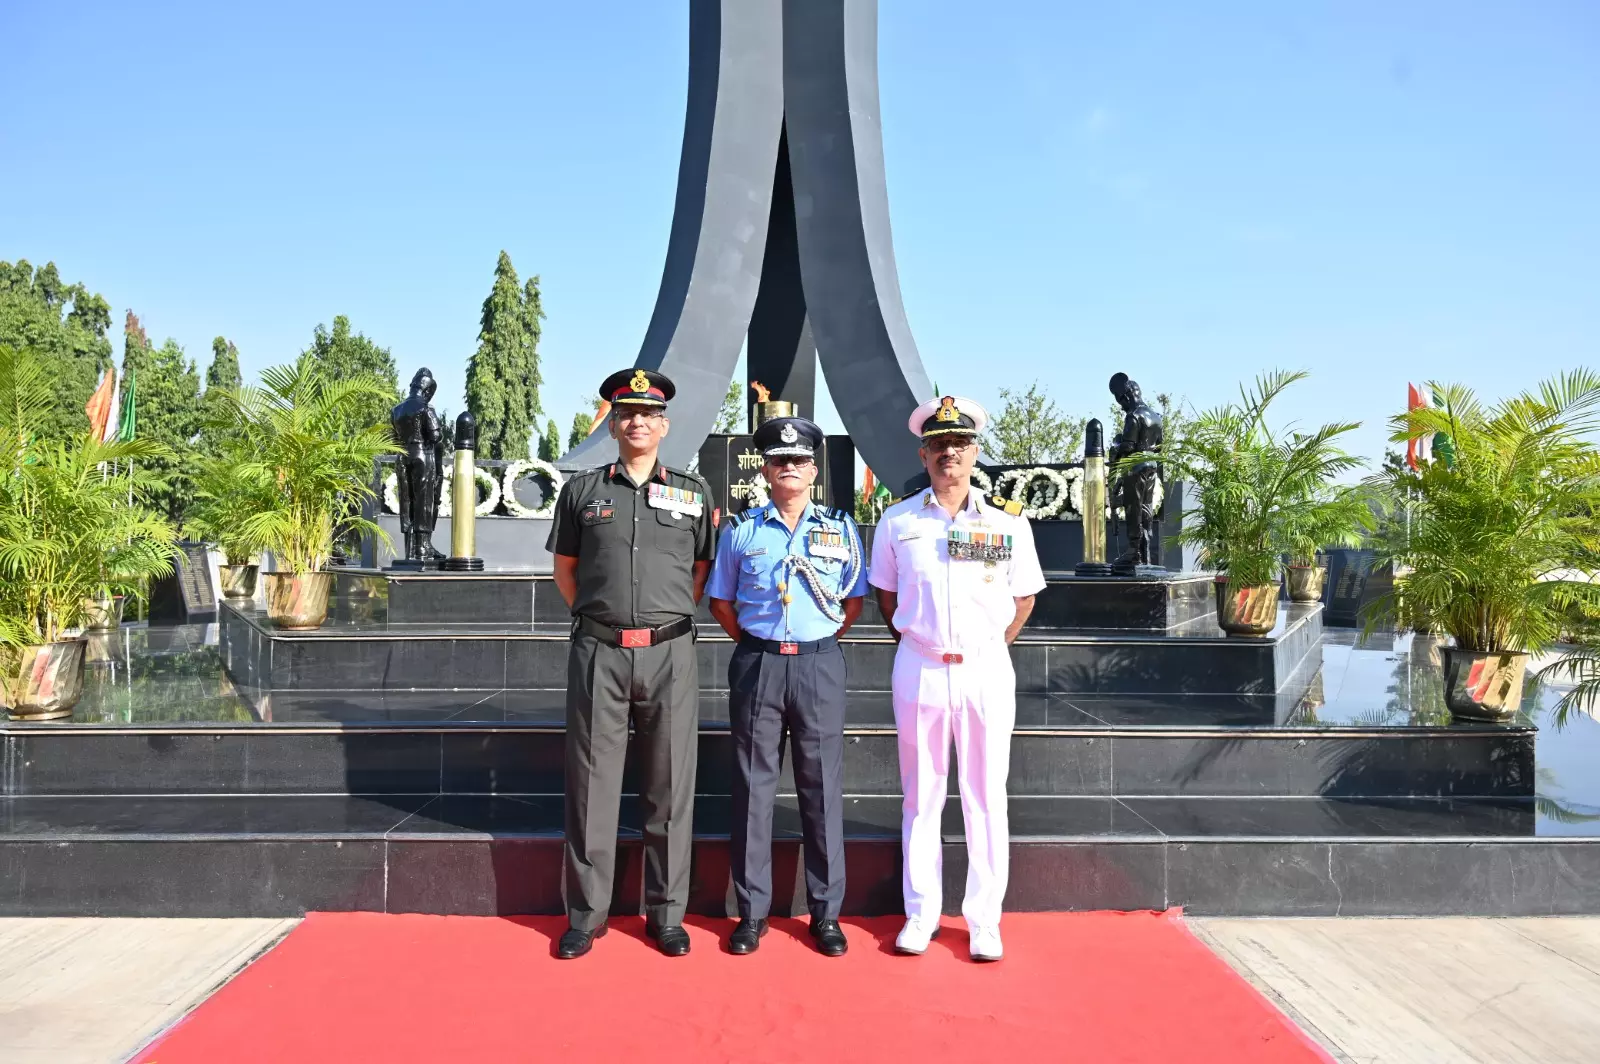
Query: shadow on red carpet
{"type": "Point", "coordinates": [357, 987]}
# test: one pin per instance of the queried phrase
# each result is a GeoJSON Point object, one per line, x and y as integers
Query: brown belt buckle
{"type": "Point", "coordinates": [634, 637]}
{"type": "Point", "coordinates": [788, 648]}
{"type": "Point", "coordinates": [952, 659]}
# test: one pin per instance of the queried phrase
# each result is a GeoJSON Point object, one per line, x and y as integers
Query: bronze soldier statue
{"type": "Point", "coordinates": [419, 470]}
{"type": "Point", "coordinates": [1135, 486]}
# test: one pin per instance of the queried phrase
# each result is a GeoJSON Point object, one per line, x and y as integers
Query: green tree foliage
{"type": "Point", "coordinates": [221, 376]}
{"type": "Point", "coordinates": [345, 355]}
{"type": "Point", "coordinates": [65, 326]}
{"type": "Point", "coordinates": [1030, 429]}
{"type": "Point", "coordinates": [731, 417]}
{"type": "Point", "coordinates": [168, 410]}
{"type": "Point", "coordinates": [550, 442]}
{"type": "Point", "coordinates": [503, 376]}
{"type": "Point", "coordinates": [580, 429]}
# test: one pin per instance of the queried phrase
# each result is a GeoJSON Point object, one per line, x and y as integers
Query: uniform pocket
{"type": "Point", "coordinates": [676, 533]}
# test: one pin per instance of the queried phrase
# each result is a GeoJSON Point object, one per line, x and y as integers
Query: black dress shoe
{"type": "Point", "coordinates": [575, 943]}
{"type": "Point", "coordinates": [747, 936]}
{"type": "Point", "coordinates": [829, 937]}
{"type": "Point", "coordinates": [672, 940]}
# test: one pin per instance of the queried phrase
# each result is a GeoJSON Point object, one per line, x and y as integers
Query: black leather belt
{"type": "Point", "coordinates": [774, 646]}
{"type": "Point", "coordinates": [636, 637]}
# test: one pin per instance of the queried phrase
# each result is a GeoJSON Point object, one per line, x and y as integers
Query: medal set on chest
{"type": "Point", "coordinates": [680, 502]}
{"type": "Point", "coordinates": [990, 548]}
{"type": "Point", "coordinates": [827, 543]}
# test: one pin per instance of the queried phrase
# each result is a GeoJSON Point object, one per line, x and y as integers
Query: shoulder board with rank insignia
{"type": "Point", "coordinates": [1000, 502]}
{"type": "Point", "coordinates": [833, 512]}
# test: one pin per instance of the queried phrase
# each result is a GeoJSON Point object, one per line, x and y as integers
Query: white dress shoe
{"type": "Point", "coordinates": [914, 938]}
{"type": "Point", "coordinates": [984, 943]}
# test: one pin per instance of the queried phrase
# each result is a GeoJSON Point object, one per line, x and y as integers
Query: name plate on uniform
{"type": "Point", "coordinates": [680, 501]}
{"type": "Point", "coordinates": [827, 543]}
{"type": "Point", "coordinates": [979, 546]}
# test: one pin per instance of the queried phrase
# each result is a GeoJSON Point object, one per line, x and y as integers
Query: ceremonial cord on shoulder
{"type": "Point", "coordinates": [830, 602]}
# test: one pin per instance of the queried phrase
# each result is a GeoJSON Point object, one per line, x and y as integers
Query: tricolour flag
{"type": "Point", "coordinates": [126, 428]}
{"type": "Point", "coordinates": [101, 403]}
{"type": "Point", "coordinates": [1419, 450]}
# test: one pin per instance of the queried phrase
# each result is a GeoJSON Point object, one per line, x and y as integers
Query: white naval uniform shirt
{"type": "Point", "coordinates": [950, 605]}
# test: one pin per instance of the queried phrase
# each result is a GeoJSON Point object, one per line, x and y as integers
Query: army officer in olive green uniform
{"type": "Point", "coordinates": [633, 543]}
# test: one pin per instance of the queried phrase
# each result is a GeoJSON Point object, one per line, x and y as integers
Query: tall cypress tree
{"type": "Point", "coordinates": [550, 442]}
{"type": "Point", "coordinates": [345, 354]}
{"type": "Point", "coordinates": [580, 429]}
{"type": "Point", "coordinates": [221, 376]}
{"type": "Point", "coordinates": [168, 397]}
{"type": "Point", "coordinates": [503, 376]}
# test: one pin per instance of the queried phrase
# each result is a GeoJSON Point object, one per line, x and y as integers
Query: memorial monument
{"type": "Point", "coordinates": [780, 232]}
{"type": "Point", "coordinates": [1134, 490]}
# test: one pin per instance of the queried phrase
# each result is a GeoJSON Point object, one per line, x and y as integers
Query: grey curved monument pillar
{"type": "Point", "coordinates": [781, 233]}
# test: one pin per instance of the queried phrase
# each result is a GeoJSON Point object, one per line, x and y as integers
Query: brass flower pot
{"type": "Point", "coordinates": [102, 615]}
{"type": "Point", "coordinates": [1483, 686]}
{"type": "Point", "coordinates": [45, 682]}
{"type": "Point", "coordinates": [238, 581]}
{"type": "Point", "coordinates": [1305, 582]}
{"type": "Point", "coordinates": [298, 601]}
{"type": "Point", "coordinates": [1247, 610]}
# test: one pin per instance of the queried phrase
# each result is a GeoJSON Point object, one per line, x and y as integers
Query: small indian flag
{"type": "Point", "coordinates": [1419, 450]}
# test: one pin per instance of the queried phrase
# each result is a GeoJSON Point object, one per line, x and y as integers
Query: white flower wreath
{"type": "Point", "coordinates": [515, 472]}
{"type": "Point", "coordinates": [1155, 502]}
{"type": "Point", "coordinates": [758, 491]}
{"type": "Point", "coordinates": [981, 481]}
{"type": "Point", "coordinates": [1013, 484]}
{"type": "Point", "coordinates": [446, 487]}
{"type": "Point", "coordinates": [485, 479]}
{"type": "Point", "coordinates": [391, 493]}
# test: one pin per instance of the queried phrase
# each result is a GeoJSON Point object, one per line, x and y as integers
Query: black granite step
{"type": "Point", "coordinates": [285, 855]}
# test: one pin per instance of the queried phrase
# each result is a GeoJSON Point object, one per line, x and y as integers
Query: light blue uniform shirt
{"type": "Point", "coordinates": [747, 571]}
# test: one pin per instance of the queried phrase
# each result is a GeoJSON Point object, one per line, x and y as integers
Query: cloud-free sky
{"type": "Point", "coordinates": [1372, 191]}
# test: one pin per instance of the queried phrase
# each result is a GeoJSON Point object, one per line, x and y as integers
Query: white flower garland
{"type": "Point", "coordinates": [515, 472]}
{"type": "Point", "coordinates": [981, 481]}
{"type": "Point", "coordinates": [391, 492]}
{"type": "Point", "coordinates": [1074, 491]}
{"type": "Point", "coordinates": [446, 487]}
{"type": "Point", "coordinates": [758, 491]}
{"type": "Point", "coordinates": [1013, 484]}
{"type": "Point", "coordinates": [485, 479]}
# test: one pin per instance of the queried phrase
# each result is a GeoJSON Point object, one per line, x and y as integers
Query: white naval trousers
{"type": "Point", "coordinates": [975, 704]}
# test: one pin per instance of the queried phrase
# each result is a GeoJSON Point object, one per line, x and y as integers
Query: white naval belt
{"type": "Point", "coordinates": [941, 654]}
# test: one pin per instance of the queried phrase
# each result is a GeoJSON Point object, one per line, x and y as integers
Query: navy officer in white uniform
{"type": "Point", "coordinates": [956, 574]}
{"type": "Point", "coordinates": [791, 579]}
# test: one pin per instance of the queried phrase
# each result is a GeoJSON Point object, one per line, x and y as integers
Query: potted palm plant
{"type": "Point", "coordinates": [1252, 487]}
{"type": "Point", "coordinates": [73, 526]}
{"type": "Point", "coordinates": [1500, 533]}
{"type": "Point", "coordinates": [1331, 516]}
{"type": "Point", "coordinates": [222, 508]}
{"type": "Point", "coordinates": [310, 471]}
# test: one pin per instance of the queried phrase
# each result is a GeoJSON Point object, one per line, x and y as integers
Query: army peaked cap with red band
{"type": "Point", "coordinates": [643, 387]}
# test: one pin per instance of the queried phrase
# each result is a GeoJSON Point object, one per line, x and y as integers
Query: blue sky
{"type": "Point", "coordinates": [1371, 191]}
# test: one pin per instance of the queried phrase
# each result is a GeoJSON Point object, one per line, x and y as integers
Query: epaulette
{"type": "Point", "coordinates": [735, 520]}
{"type": "Point", "coordinates": [1000, 502]}
{"type": "Point", "coordinates": [833, 512]}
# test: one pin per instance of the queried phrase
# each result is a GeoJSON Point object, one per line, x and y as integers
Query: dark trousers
{"type": "Point", "coordinates": [658, 689]}
{"type": "Point", "coordinates": [803, 695]}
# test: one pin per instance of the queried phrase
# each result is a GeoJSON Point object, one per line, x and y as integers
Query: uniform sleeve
{"type": "Point", "coordinates": [885, 574]}
{"type": "Point", "coordinates": [565, 532]}
{"type": "Point", "coordinates": [1025, 576]}
{"type": "Point", "coordinates": [705, 533]}
{"type": "Point", "coordinates": [858, 583]}
{"type": "Point", "coordinates": [724, 582]}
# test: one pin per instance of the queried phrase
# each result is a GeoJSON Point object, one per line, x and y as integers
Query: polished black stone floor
{"type": "Point", "coordinates": [874, 816]}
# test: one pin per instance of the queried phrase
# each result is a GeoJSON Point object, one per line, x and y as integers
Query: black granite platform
{"type": "Point", "coordinates": [175, 790]}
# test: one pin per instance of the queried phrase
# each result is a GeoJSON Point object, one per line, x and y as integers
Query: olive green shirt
{"type": "Point", "coordinates": [635, 552]}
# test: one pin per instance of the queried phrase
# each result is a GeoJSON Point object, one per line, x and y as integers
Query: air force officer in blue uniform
{"type": "Point", "coordinates": [789, 579]}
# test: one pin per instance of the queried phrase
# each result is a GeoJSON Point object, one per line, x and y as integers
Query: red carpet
{"type": "Point", "coordinates": [1086, 987]}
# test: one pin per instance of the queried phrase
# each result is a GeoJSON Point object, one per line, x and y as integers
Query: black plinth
{"type": "Point", "coordinates": [440, 596]}
{"type": "Point", "coordinates": [1148, 603]}
{"type": "Point", "coordinates": [462, 565]}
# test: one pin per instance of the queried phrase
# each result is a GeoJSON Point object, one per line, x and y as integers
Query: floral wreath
{"type": "Point", "coordinates": [391, 492]}
{"type": "Point", "coordinates": [486, 480]}
{"type": "Point", "coordinates": [758, 490]}
{"type": "Point", "coordinates": [515, 472]}
{"type": "Point", "coordinates": [1014, 484]}
{"type": "Point", "coordinates": [447, 483]}
{"type": "Point", "coordinates": [981, 481]}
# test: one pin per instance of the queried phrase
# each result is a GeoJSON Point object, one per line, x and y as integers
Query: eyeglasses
{"type": "Point", "coordinates": [949, 443]}
{"type": "Point", "coordinates": [651, 416]}
{"type": "Point", "coordinates": [799, 460]}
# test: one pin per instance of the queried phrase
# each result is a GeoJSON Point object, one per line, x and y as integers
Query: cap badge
{"type": "Point", "coordinates": [787, 434]}
{"type": "Point", "coordinates": [639, 383]}
{"type": "Point", "coordinates": [947, 410]}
